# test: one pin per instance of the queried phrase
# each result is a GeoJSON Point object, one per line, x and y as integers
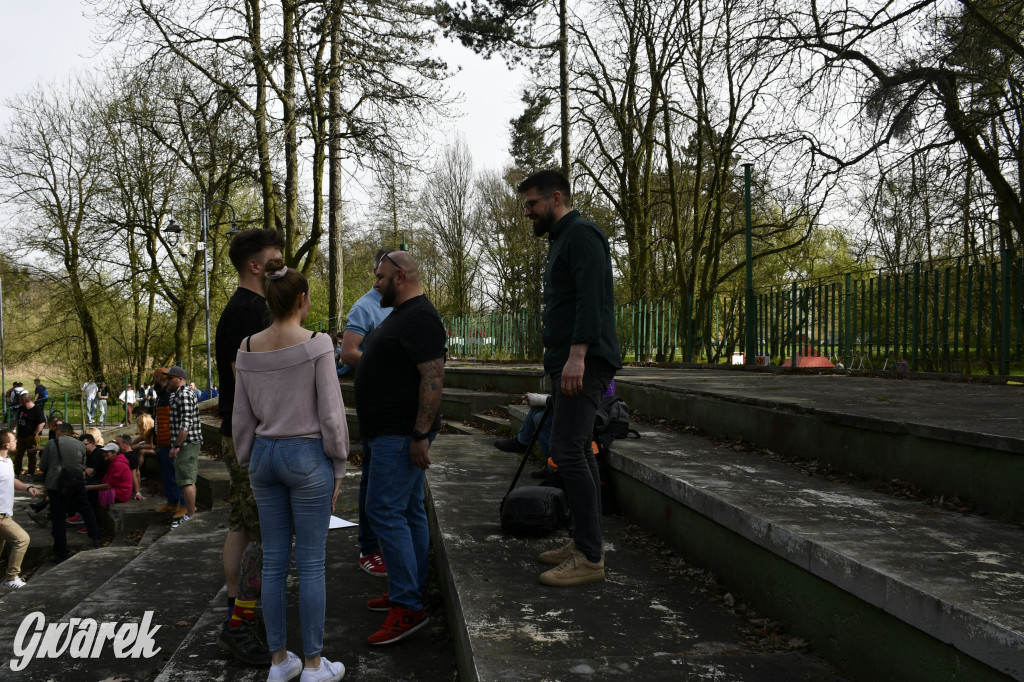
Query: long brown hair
{"type": "Point", "coordinates": [283, 292]}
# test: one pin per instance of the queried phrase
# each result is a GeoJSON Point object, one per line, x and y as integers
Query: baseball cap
{"type": "Point", "coordinates": [111, 447]}
{"type": "Point", "coordinates": [177, 372]}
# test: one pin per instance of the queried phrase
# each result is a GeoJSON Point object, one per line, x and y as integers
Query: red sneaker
{"type": "Point", "coordinates": [379, 604]}
{"type": "Point", "coordinates": [75, 520]}
{"type": "Point", "coordinates": [82, 531]}
{"type": "Point", "coordinates": [401, 623]}
{"type": "Point", "coordinates": [373, 563]}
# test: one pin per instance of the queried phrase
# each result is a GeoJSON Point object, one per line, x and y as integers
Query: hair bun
{"type": "Point", "coordinates": [275, 269]}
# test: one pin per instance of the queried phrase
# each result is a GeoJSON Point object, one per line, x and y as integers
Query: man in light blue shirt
{"type": "Point", "coordinates": [364, 316]}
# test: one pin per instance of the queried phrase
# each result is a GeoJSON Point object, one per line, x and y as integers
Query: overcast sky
{"type": "Point", "coordinates": [46, 40]}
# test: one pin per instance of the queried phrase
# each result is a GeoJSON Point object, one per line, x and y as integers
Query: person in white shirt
{"type": "Point", "coordinates": [127, 398]}
{"type": "Point", "coordinates": [89, 389]}
{"type": "Point", "coordinates": [10, 531]}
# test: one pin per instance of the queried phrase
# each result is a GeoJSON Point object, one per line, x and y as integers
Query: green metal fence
{"type": "Point", "coordinates": [952, 316]}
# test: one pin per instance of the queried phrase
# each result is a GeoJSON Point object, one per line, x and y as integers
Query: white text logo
{"type": "Point", "coordinates": [82, 638]}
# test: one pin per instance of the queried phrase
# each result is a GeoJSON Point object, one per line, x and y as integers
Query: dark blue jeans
{"type": "Point", "coordinates": [395, 505]}
{"type": "Point", "coordinates": [572, 431]}
{"type": "Point", "coordinates": [171, 490]}
{"type": "Point", "coordinates": [530, 425]}
{"type": "Point", "coordinates": [368, 540]}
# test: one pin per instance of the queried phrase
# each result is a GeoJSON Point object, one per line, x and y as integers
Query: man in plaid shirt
{"type": "Point", "coordinates": [187, 437]}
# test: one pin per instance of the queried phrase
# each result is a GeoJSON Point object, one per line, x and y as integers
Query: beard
{"type": "Point", "coordinates": [388, 293]}
{"type": "Point", "coordinates": [542, 225]}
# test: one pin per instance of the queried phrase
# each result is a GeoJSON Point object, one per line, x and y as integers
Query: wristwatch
{"type": "Point", "coordinates": [416, 436]}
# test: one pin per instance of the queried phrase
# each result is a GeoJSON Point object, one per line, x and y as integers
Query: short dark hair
{"type": "Point", "coordinates": [87, 438]}
{"type": "Point", "coordinates": [65, 428]}
{"type": "Point", "coordinates": [4, 433]}
{"type": "Point", "coordinates": [546, 182]}
{"type": "Point", "coordinates": [247, 244]}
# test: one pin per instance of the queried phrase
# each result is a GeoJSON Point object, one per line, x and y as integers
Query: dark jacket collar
{"type": "Point", "coordinates": [560, 225]}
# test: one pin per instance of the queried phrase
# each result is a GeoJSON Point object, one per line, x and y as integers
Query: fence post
{"type": "Point", "coordinates": [1004, 340]}
{"type": "Point", "coordinates": [916, 320]}
{"type": "Point", "coordinates": [847, 319]}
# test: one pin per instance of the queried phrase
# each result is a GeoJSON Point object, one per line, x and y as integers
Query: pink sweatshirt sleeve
{"type": "Point", "coordinates": [243, 422]}
{"type": "Point", "coordinates": [331, 410]}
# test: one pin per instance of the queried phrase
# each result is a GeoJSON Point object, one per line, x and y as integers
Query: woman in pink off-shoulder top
{"type": "Point", "coordinates": [289, 428]}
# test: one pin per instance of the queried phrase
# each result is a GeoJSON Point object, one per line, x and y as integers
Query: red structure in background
{"type": "Point", "coordinates": [808, 356]}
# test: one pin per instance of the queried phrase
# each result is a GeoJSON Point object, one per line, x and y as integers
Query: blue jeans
{"type": "Point", "coordinates": [171, 490]}
{"type": "Point", "coordinates": [368, 540]}
{"type": "Point", "coordinates": [530, 425]}
{"type": "Point", "coordinates": [395, 505]}
{"type": "Point", "coordinates": [292, 482]}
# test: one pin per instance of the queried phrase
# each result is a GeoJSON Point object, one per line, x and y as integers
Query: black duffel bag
{"type": "Point", "coordinates": [533, 510]}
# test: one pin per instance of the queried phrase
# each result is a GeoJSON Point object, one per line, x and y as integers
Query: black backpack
{"type": "Point", "coordinates": [612, 421]}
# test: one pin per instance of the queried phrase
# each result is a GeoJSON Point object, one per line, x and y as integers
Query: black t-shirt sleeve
{"type": "Point", "coordinates": [426, 341]}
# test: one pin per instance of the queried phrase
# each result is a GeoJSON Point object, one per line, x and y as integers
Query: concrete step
{"type": "Point", "coordinates": [647, 621]}
{"type": "Point", "coordinates": [948, 438]}
{"type": "Point", "coordinates": [172, 581]}
{"type": "Point", "coordinates": [56, 591]}
{"type": "Point", "coordinates": [493, 377]}
{"type": "Point", "coordinates": [456, 403]}
{"type": "Point", "coordinates": [500, 425]}
{"type": "Point", "coordinates": [888, 588]}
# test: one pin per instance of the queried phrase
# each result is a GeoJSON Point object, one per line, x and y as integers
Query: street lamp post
{"type": "Point", "coordinates": [750, 323]}
{"type": "Point", "coordinates": [173, 230]}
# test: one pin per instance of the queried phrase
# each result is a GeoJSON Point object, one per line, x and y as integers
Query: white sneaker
{"type": "Point", "coordinates": [17, 582]}
{"type": "Point", "coordinates": [288, 670]}
{"type": "Point", "coordinates": [177, 522]}
{"type": "Point", "coordinates": [327, 672]}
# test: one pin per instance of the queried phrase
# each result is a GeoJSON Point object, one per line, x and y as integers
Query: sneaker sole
{"type": "Point", "coordinates": [385, 609]}
{"type": "Point", "coordinates": [545, 579]}
{"type": "Point", "coordinates": [375, 574]}
{"type": "Point", "coordinates": [405, 634]}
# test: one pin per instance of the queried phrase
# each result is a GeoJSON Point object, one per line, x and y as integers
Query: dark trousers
{"type": "Point", "coordinates": [171, 490]}
{"type": "Point", "coordinates": [572, 431]}
{"type": "Point", "coordinates": [59, 508]}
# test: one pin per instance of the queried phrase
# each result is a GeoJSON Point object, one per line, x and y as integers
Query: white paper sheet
{"type": "Point", "coordinates": [341, 523]}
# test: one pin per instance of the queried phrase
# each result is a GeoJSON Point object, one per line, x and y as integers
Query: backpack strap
{"type": "Point", "coordinates": [248, 344]}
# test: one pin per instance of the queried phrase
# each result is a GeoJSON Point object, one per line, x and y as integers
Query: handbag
{"type": "Point", "coordinates": [533, 510]}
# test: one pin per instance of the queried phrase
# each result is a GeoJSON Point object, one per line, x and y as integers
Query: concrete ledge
{"type": "Point", "coordinates": [949, 439]}
{"type": "Point", "coordinates": [953, 578]}
{"type": "Point", "coordinates": [642, 623]}
{"type": "Point", "coordinates": [456, 403]}
{"type": "Point", "coordinates": [516, 380]}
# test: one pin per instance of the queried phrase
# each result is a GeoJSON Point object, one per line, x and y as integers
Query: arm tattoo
{"type": "Point", "coordinates": [431, 383]}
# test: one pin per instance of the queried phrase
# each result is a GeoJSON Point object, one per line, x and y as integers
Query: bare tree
{"type": "Point", "coordinates": [450, 216]}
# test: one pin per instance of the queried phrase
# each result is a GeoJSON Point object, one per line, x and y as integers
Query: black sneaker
{"type": "Point", "coordinates": [510, 445]}
{"type": "Point", "coordinates": [246, 642]}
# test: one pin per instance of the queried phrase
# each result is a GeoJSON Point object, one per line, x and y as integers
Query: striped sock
{"type": "Point", "coordinates": [242, 611]}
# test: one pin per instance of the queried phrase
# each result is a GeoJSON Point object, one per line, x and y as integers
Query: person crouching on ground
{"type": "Point", "coordinates": [288, 426]}
{"type": "Point", "coordinates": [10, 531]}
{"type": "Point", "coordinates": [398, 395]}
{"type": "Point", "coordinates": [117, 479]}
